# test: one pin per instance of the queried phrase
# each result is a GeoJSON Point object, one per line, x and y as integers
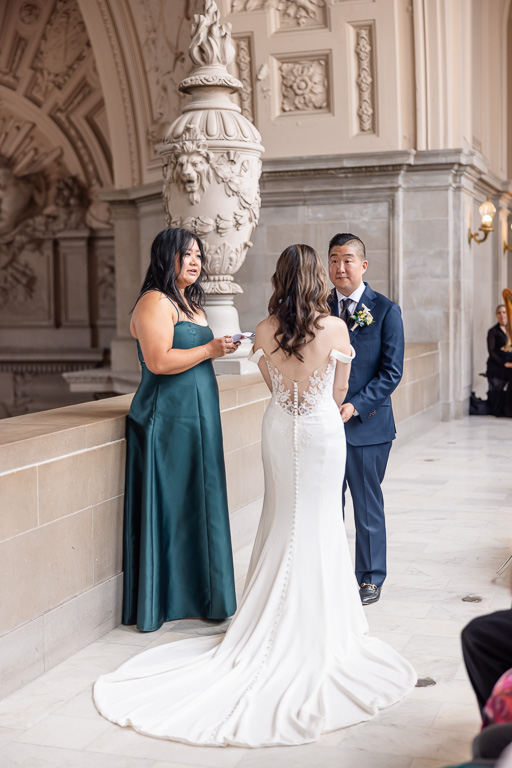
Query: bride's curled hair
{"type": "Point", "coordinates": [300, 298]}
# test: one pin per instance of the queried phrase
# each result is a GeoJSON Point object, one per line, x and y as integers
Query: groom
{"type": "Point", "coordinates": [376, 333]}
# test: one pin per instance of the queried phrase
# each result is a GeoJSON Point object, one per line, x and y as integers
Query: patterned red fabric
{"type": "Point", "coordinates": [498, 708]}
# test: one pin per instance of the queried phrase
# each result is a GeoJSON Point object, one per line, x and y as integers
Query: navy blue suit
{"type": "Point", "coordinates": [375, 374]}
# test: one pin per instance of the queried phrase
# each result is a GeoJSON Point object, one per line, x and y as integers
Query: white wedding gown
{"type": "Point", "coordinates": [295, 661]}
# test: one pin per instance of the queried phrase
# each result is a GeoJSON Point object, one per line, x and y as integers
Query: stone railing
{"type": "Point", "coordinates": [62, 487]}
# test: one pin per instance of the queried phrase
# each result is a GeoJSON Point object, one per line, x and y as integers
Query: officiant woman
{"type": "Point", "coordinates": [177, 544]}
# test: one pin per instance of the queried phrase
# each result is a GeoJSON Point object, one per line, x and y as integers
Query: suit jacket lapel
{"type": "Point", "coordinates": [333, 303]}
{"type": "Point", "coordinates": [368, 299]}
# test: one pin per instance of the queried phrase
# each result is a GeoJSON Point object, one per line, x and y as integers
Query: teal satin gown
{"type": "Point", "coordinates": [177, 545]}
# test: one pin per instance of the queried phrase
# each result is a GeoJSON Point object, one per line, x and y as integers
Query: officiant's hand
{"type": "Point", "coordinates": [222, 345]}
{"type": "Point", "coordinates": [347, 410]}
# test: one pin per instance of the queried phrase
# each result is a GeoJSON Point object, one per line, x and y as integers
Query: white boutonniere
{"type": "Point", "coordinates": [363, 317]}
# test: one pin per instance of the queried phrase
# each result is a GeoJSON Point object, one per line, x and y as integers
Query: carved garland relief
{"type": "Point", "coordinates": [244, 74]}
{"type": "Point", "coordinates": [291, 13]}
{"type": "Point", "coordinates": [364, 80]}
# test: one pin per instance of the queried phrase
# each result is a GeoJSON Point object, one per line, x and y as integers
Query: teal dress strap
{"type": "Point", "coordinates": [174, 305]}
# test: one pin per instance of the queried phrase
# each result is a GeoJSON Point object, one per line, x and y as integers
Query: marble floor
{"type": "Point", "coordinates": [448, 498]}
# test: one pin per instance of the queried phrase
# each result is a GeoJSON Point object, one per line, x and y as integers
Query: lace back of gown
{"type": "Point", "coordinates": [302, 396]}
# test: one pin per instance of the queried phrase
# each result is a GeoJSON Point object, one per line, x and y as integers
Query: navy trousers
{"type": "Point", "coordinates": [365, 470]}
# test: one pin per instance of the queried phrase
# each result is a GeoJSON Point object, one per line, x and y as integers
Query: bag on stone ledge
{"type": "Point", "coordinates": [477, 406]}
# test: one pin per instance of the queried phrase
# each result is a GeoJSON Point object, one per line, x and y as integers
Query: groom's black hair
{"type": "Point", "coordinates": [342, 238]}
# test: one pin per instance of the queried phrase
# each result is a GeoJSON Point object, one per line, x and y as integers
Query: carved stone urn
{"type": "Point", "coordinates": [212, 166]}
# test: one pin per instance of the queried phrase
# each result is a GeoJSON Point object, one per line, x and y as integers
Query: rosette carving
{"type": "Point", "coordinates": [304, 85]}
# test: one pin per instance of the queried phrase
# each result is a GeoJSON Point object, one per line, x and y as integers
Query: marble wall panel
{"type": "Point", "coordinates": [402, 402]}
{"type": "Point", "coordinates": [81, 480]}
{"type": "Point", "coordinates": [427, 324]}
{"type": "Point", "coordinates": [429, 293]}
{"type": "Point", "coordinates": [431, 234]}
{"type": "Point", "coordinates": [18, 492]}
{"type": "Point", "coordinates": [21, 656]}
{"type": "Point", "coordinates": [81, 621]}
{"type": "Point", "coordinates": [242, 426]}
{"type": "Point", "coordinates": [45, 567]}
{"type": "Point", "coordinates": [107, 528]}
{"type": "Point", "coordinates": [426, 204]}
{"type": "Point", "coordinates": [233, 462]}
{"type": "Point", "coordinates": [421, 264]}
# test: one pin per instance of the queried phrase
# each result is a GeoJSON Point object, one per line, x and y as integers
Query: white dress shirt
{"type": "Point", "coordinates": [354, 297]}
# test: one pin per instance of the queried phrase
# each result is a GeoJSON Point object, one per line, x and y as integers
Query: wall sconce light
{"type": "Point", "coordinates": [505, 246]}
{"type": "Point", "coordinates": [486, 211]}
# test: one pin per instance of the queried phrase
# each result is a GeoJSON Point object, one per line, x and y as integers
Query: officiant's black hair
{"type": "Point", "coordinates": [342, 238]}
{"type": "Point", "coordinates": [168, 245]}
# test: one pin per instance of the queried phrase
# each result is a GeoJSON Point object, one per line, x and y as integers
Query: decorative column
{"type": "Point", "coordinates": [212, 165]}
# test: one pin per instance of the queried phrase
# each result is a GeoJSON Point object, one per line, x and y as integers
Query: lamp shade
{"type": "Point", "coordinates": [487, 211]}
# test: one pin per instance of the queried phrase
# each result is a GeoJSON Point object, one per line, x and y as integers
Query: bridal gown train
{"type": "Point", "coordinates": [295, 661]}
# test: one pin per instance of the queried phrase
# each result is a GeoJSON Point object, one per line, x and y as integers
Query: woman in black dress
{"type": "Point", "coordinates": [499, 366]}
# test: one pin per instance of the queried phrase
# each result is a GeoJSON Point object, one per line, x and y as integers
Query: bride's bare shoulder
{"type": "Point", "coordinates": [333, 324]}
{"type": "Point", "coordinates": [266, 327]}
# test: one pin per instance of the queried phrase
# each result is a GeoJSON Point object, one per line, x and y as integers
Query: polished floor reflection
{"type": "Point", "coordinates": [448, 502]}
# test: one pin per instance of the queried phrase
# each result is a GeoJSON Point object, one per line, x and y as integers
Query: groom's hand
{"type": "Point", "coordinates": [347, 410]}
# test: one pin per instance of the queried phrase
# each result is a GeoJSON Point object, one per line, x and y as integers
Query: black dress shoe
{"type": "Point", "coordinates": [369, 593]}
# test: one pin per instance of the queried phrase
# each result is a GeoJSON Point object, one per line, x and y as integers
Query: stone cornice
{"type": "Point", "coordinates": [298, 180]}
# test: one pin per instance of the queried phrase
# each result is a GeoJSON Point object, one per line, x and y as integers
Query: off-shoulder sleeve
{"type": "Point", "coordinates": [342, 357]}
{"type": "Point", "coordinates": [256, 356]}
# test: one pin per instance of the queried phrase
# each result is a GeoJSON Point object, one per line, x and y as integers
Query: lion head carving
{"type": "Point", "coordinates": [192, 161]}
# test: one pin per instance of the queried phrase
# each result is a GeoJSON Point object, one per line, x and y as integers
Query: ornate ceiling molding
{"type": "Point", "coordinates": [63, 47]}
{"type": "Point", "coordinates": [47, 63]}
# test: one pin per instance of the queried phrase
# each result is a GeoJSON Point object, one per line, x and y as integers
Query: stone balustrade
{"type": "Point", "coordinates": [61, 491]}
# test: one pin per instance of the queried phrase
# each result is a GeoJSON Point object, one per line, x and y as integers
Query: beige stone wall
{"type": "Point", "coordinates": [61, 485]}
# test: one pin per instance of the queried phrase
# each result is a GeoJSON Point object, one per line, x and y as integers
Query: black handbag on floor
{"type": "Point", "coordinates": [477, 406]}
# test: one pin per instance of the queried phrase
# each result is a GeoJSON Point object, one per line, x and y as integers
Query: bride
{"type": "Point", "coordinates": [296, 661]}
